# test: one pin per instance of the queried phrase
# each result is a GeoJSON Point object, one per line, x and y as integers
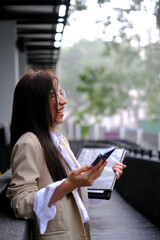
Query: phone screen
{"type": "Point", "coordinates": [103, 156]}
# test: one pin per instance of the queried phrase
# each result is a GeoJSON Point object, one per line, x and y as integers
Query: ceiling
{"type": "Point", "coordinates": [40, 25]}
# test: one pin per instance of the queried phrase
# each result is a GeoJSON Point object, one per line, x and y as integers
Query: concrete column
{"type": "Point", "coordinates": [9, 71]}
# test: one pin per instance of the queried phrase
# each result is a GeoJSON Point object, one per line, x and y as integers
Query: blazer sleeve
{"type": "Point", "coordinates": [25, 175]}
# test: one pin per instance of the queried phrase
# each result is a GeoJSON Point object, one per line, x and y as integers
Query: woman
{"type": "Point", "coordinates": [47, 183]}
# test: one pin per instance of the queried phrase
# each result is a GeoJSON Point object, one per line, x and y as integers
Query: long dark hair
{"type": "Point", "coordinates": [31, 113]}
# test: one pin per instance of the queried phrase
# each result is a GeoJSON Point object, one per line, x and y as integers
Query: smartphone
{"type": "Point", "coordinates": [103, 156]}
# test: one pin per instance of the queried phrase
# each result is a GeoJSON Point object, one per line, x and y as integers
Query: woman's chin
{"type": "Point", "coordinates": [59, 121]}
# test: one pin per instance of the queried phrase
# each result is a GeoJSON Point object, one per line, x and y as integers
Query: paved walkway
{"type": "Point", "coordinates": [117, 220]}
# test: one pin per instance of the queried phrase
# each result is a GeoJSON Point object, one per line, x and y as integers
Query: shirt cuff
{"type": "Point", "coordinates": [40, 205]}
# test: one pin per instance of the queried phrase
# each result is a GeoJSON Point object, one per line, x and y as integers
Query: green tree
{"type": "Point", "coordinates": [142, 74]}
{"type": "Point", "coordinates": [122, 13]}
{"type": "Point", "coordinates": [74, 60]}
{"type": "Point", "coordinates": [107, 88]}
{"type": "Point", "coordinates": [105, 81]}
{"type": "Point", "coordinates": [152, 81]}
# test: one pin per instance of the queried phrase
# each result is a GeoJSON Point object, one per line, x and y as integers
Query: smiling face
{"type": "Point", "coordinates": [61, 102]}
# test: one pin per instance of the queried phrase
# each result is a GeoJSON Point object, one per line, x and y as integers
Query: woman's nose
{"type": "Point", "coordinates": [62, 100]}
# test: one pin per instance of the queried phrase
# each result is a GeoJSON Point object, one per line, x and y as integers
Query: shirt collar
{"type": "Point", "coordinates": [56, 136]}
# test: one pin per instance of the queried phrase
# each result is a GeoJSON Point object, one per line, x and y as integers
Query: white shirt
{"type": "Point", "coordinates": [42, 197]}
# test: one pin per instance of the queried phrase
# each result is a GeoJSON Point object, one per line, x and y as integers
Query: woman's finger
{"type": "Point", "coordinates": [119, 166]}
{"type": "Point", "coordinates": [118, 169]}
{"type": "Point", "coordinates": [81, 170]}
{"type": "Point", "coordinates": [97, 170]}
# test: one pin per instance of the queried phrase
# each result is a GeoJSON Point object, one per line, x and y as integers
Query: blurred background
{"type": "Point", "coordinates": [105, 54]}
{"type": "Point", "coordinates": [109, 67]}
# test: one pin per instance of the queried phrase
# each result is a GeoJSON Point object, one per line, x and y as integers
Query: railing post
{"type": "Point", "coordinates": [139, 136]}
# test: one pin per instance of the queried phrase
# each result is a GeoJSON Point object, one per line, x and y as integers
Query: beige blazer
{"type": "Point", "coordinates": [29, 174]}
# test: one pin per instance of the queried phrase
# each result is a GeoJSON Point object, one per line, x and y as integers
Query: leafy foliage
{"type": "Point", "coordinates": [135, 6]}
{"type": "Point", "coordinates": [74, 60]}
{"type": "Point", "coordinates": [152, 81]}
{"type": "Point", "coordinates": [107, 88]}
{"type": "Point", "coordinates": [105, 81]}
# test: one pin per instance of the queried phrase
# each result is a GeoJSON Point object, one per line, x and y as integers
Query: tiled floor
{"type": "Point", "coordinates": [115, 219]}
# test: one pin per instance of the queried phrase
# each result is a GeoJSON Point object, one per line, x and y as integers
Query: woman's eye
{"type": "Point", "coordinates": [52, 94]}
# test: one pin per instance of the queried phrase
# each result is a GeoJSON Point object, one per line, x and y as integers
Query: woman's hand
{"type": "Point", "coordinates": [80, 177]}
{"type": "Point", "coordinates": [118, 169]}
{"type": "Point", "coordinates": [85, 175]}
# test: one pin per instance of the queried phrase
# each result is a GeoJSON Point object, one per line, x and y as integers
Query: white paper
{"type": "Point", "coordinates": [108, 177]}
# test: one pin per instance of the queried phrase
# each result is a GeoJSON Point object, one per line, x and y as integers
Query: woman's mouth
{"type": "Point", "coordinates": [60, 112]}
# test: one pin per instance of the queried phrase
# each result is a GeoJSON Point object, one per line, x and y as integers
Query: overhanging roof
{"type": "Point", "coordinates": [40, 25]}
